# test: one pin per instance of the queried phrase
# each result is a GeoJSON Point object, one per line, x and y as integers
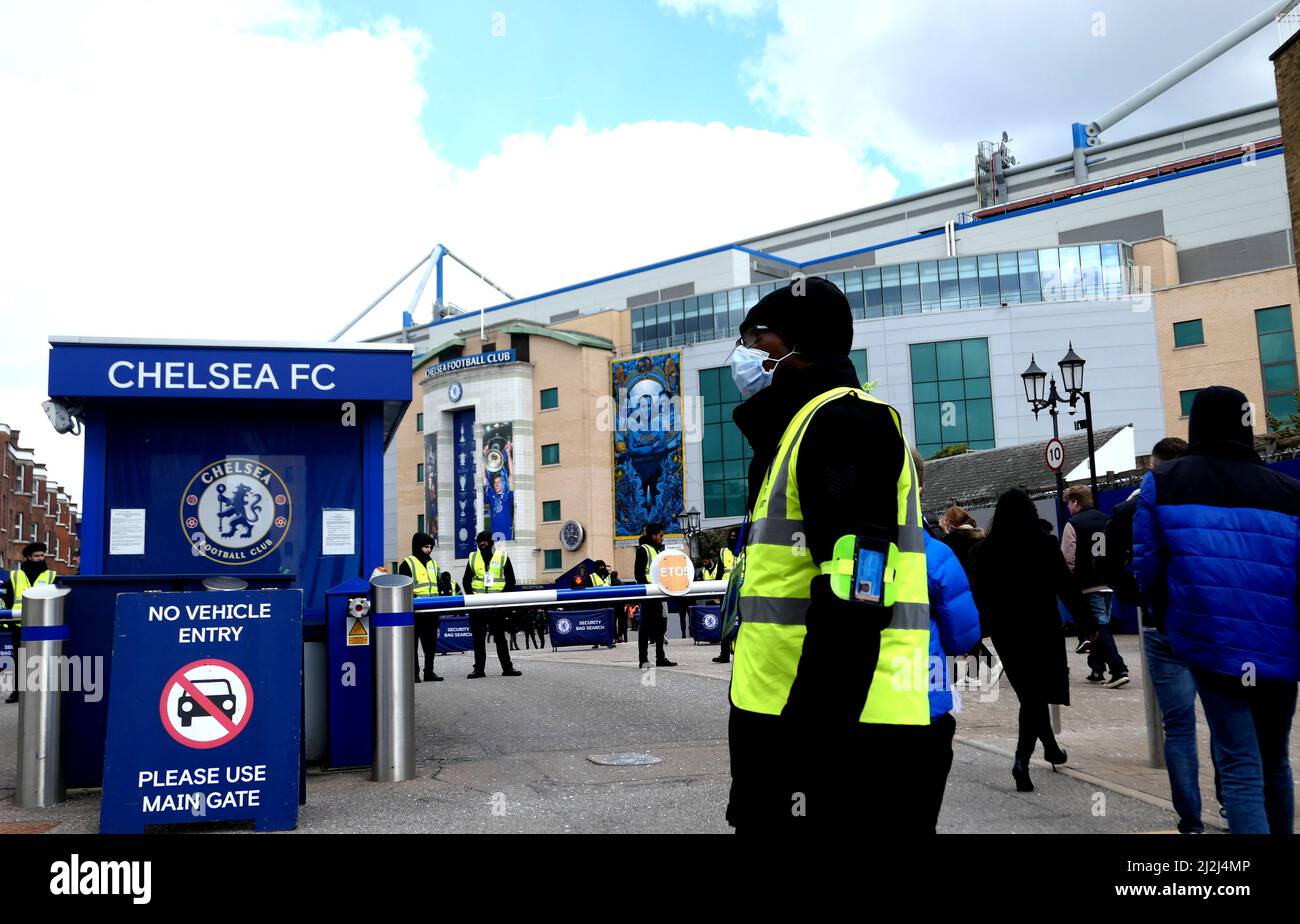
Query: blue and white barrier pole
{"type": "Point", "coordinates": [521, 598]}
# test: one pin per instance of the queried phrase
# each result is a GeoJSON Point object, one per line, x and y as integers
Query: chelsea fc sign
{"type": "Point", "coordinates": [236, 511]}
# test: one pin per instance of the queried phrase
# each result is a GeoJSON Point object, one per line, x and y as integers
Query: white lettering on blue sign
{"type": "Point", "coordinates": [217, 376]}
{"type": "Point", "coordinates": [468, 362]}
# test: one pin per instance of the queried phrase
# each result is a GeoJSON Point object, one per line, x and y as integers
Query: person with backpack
{"type": "Point", "coordinates": [1083, 543]}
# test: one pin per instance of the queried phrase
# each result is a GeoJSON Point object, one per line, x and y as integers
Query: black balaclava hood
{"type": "Point", "coordinates": [1220, 415]}
{"type": "Point", "coordinates": [418, 542]}
{"type": "Point", "coordinates": [811, 315]}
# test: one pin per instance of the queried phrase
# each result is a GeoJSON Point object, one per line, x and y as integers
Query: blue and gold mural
{"type": "Point", "coordinates": [648, 457]}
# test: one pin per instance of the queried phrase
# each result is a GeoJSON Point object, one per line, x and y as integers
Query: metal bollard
{"type": "Point", "coordinates": [40, 761]}
{"type": "Point", "coordinates": [392, 626]}
{"type": "Point", "coordinates": [1155, 722]}
{"type": "Point", "coordinates": [224, 583]}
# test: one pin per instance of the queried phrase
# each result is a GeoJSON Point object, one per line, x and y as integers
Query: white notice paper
{"type": "Point", "coordinates": [126, 531]}
{"type": "Point", "coordinates": [338, 531]}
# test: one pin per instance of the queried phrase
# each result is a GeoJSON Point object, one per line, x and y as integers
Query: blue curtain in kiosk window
{"type": "Point", "coordinates": [156, 454]}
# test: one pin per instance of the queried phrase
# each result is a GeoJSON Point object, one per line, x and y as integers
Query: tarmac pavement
{"type": "Point", "coordinates": [513, 755]}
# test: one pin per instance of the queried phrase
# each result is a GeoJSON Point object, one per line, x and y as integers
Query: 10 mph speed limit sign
{"type": "Point", "coordinates": [1054, 454]}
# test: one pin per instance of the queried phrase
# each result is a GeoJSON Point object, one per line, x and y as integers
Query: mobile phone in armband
{"type": "Point", "coordinates": [862, 569]}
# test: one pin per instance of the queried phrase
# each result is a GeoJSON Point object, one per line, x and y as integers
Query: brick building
{"type": "Point", "coordinates": [33, 508]}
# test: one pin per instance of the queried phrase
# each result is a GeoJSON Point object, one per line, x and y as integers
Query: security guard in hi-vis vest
{"type": "Point", "coordinates": [654, 624]}
{"type": "Point", "coordinates": [600, 575]}
{"type": "Point", "coordinates": [829, 714]}
{"type": "Point", "coordinates": [489, 571]}
{"type": "Point", "coordinates": [30, 573]}
{"type": "Point", "coordinates": [421, 567]}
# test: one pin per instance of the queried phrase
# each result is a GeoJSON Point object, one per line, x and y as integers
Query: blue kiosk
{"type": "Point", "coordinates": [262, 461]}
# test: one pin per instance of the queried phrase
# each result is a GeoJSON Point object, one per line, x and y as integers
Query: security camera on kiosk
{"type": "Point", "coordinates": [63, 418]}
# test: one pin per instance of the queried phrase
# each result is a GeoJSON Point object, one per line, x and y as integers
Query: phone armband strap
{"type": "Point", "coordinates": [863, 569]}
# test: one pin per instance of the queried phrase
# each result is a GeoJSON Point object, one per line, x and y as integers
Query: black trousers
{"type": "Point", "coordinates": [935, 768]}
{"type": "Point", "coordinates": [480, 622]}
{"type": "Point", "coordinates": [426, 637]}
{"type": "Point", "coordinates": [653, 626]}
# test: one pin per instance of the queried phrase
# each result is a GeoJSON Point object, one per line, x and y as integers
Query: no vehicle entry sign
{"type": "Point", "coordinates": [204, 725]}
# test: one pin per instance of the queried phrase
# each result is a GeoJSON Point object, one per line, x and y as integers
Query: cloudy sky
{"type": "Point", "coordinates": [259, 170]}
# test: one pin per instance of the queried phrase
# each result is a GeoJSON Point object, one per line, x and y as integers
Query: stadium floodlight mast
{"type": "Point", "coordinates": [1088, 135]}
{"type": "Point", "coordinates": [1035, 380]}
{"type": "Point", "coordinates": [434, 259]}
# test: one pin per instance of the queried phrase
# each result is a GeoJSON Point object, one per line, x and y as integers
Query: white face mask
{"type": "Point", "coordinates": [748, 371]}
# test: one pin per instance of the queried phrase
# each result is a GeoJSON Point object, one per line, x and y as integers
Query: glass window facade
{"type": "Point", "coordinates": [724, 451]}
{"type": "Point", "coordinates": [419, 472]}
{"type": "Point", "coordinates": [952, 395]}
{"type": "Point", "coordinates": [551, 454]}
{"type": "Point", "coordinates": [725, 454]}
{"type": "Point", "coordinates": [419, 422]}
{"type": "Point", "coordinates": [552, 559]}
{"type": "Point", "coordinates": [1185, 399]}
{"type": "Point", "coordinates": [1087, 271]}
{"type": "Point", "coordinates": [550, 398]}
{"type": "Point", "coordinates": [550, 511]}
{"type": "Point", "coordinates": [1188, 333]}
{"type": "Point", "coordinates": [419, 521]}
{"type": "Point", "coordinates": [1277, 360]}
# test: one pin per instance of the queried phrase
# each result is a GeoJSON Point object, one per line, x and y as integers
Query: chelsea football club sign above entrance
{"type": "Point", "coordinates": [460, 363]}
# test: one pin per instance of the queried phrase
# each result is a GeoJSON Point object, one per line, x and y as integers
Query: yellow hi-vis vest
{"type": "Point", "coordinates": [21, 585]}
{"type": "Point", "coordinates": [775, 594]}
{"type": "Point", "coordinates": [426, 577]}
{"type": "Point", "coordinates": [708, 574]}
{"type": "Point", "coordinates": [597, 580]}
{"type": "Point", "coordinates": [728, 561]}
{"type": "Point", "coordinates": [497, 566]}
{"type": "Point", "coordinates": [650, 553]}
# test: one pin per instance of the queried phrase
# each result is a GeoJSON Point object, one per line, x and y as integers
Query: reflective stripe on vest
{"type": "Point", "coordinates": [21, 585]}
{"type": "Point", "coordinates": [775, 594]}
{"type": "Point", "coordinates": [426, 580]}
{"type": "Point", "coordinates": [498, 566]}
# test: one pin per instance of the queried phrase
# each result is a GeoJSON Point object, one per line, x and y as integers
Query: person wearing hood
{"type": "Point", "coordinates": [31, 572]}
{"type": "Point", "coordinates": [422, 569]}
{"type": "Point", "coordinates": [824, 733]}
{"type": "Point", "coordinates": [489, 571]}
{"type": "Point", "coordinates": [1215, 540]}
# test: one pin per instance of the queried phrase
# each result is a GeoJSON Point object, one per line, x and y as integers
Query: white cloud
{"type": "Point", "coordinates": [921, 83]}
{"type": "Point", "coordinates": [250, 171]}
{"type": "Point", "coordinates": [735, 8]}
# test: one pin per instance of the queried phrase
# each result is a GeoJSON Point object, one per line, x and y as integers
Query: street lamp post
{"type": "Point", "coordinates": [689, 523]}
{"type": "Point", "coordinates": [1036, 382]}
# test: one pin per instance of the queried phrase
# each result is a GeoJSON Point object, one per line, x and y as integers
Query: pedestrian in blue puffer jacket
{"type": "Point", "coordinates": [1216, 539]}
{"type": "Point", "coordinates": [954, 631]}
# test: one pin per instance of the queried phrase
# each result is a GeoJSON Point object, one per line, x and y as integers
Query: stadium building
{"type": "Point", "coordinates": [1170, 267]}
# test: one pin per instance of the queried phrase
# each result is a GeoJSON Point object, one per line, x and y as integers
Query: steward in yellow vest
{"type": "Point", "coordinates": [32, 572]}
{"type": "Point", "coordinates": [489, 571]}
{"type": "Point", "coordinates": [599, 576]}
{"type": "Point", "coordinates": [422, 569]}
{"type": "Point", "coordinates": [830, 708]}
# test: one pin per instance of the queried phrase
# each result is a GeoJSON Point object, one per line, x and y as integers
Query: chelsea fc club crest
{"type": "Point", "coordinates": [236, 511]}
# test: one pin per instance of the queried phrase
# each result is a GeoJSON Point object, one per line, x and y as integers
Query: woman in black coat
{"type": "Point", "coordinates": [1019, 573]}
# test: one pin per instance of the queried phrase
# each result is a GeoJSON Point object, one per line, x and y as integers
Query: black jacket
{"type": "Point", "coordinates": [1088, 569]}
{"type": "Point", "coordinates": [1016, 588]}
{"type": "Point", "coordinates": [847, 472]}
